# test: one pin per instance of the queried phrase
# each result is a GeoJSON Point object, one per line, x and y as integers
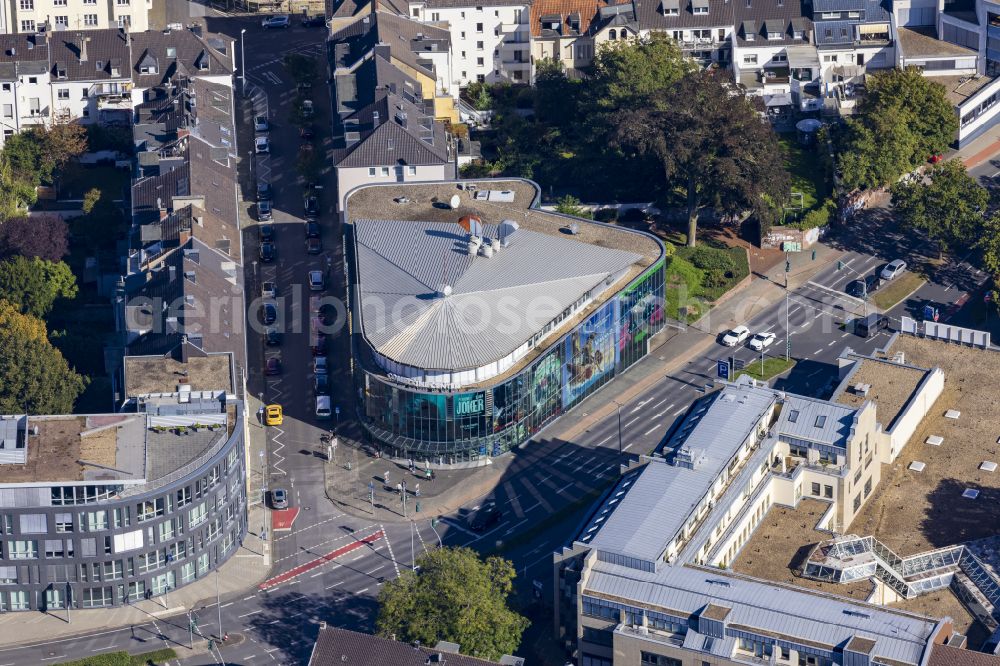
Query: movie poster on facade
{"type": "Point", "coordinates": [590, 354]}
{"type": "Point", "coordinates": [546, 399]}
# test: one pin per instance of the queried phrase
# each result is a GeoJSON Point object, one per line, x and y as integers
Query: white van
{"type": "Point", "coordinates": [323, 410]}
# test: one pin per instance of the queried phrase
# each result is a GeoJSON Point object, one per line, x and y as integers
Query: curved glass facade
{"type": "Point", "coordinates": [444, 427]}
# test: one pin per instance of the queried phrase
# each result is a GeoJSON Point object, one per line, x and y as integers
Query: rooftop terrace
{"type": "Point", "coordinates": [162, 374]}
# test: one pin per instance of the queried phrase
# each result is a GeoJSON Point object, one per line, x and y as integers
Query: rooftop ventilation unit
{"type": "Point", "coordinates": [475, 242]}
{"type": "Point", "coordinates": [486, 250]}
{"type": "Point", "coordinates": [443, 290]}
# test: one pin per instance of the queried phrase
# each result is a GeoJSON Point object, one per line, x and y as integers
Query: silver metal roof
{"type": "Point", "coordinates": [769, 607]}
{"type": "Point", "coordinates": [816, 420]}
{"type": "Point", "coordinates": [403, 265]}
{"type": "Point", "coordinates": [647, 511]}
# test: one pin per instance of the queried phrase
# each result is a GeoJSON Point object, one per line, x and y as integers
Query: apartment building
{"type": "Point", "coordinates": [571, 32]}
{"type": "Point", "coordinates": [25, 93]}
{"type": "Point", "coordinates": [490, 42]}
{"type": "Point", "coordinates": [29, 16]}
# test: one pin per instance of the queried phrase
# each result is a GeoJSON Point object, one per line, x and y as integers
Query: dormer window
{"type": "Point", "coordinates": [60, 72]}
{"type": "Point", "coordinates": [99, 65]}
{"type": "Point", "coordinates": [774, 35]}
{"type": "Point", "coordinates": [671, 7]}
{"type": "Point", "coordinates": [699, 7]}
{"type": "Point", "coordinates": [749, 36]}
{"type": "Point", "coordinates": [830, 15]}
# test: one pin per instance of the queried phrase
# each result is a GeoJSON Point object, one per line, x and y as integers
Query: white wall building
{"type": "Point", "coordinates": [31, 15]}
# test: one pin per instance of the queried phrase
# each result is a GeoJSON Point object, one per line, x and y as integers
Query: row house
{"type": "Point", "coordinates": [702, 28]}
{"type": "Point", "coordinates": [570, 31]}
{"type": "Point", "coordinates": [30, 16]}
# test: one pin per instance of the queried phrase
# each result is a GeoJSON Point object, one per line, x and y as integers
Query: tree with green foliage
{"type": "Point", "coordinates": [630, 73]}
{"type": "Point", "coordinates": [309, 164]}
{"type": "Point", "coordinates": [570, 205]}
{"type": "Point", "coordinates": [37, 153]}
{"type": "Point", "coordinates": [101, 225]}
{"type": "Point", "coordinates": [455, 597]}
{"type": "Point", "coordinates": [946, 204]}
{"type": "Point", "coordinates": [90, 199]}
{"type": "Point", "coordinates": [34, 284]}
{"type": "Point", "coordinates": [34, 376]}
{"type": "Point", "coordinates": [713, 145]}
{"type": "Point", "coordinates": [301, 68]}
{"type": "Point", "coordinates": [16, 194]}
{"type": "Point", "coordinates": [904, 119]}
{"type": "Point", "coordinates": [479, 96]}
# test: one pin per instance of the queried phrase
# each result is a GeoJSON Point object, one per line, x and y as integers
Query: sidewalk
{"type": "Point", "coordinates": [349, 473]}
{"type": "Point", "coordinates": [979, 150]}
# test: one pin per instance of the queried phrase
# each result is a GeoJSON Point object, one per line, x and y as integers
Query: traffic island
{"type": "Point", "coordinates": [771, 367]}
{"type": "Point", "coordinates": [897, 290]}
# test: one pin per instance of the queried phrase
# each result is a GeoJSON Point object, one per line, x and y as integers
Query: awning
{"type": "Point", "coordinates": [800, 57]}
{"type": "Point", "coordinates": [873, 28]}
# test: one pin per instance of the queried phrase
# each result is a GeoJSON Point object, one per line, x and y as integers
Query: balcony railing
{"type": "Point", "coordinates": [114, 101]}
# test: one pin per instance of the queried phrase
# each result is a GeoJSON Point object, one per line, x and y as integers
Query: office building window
{"type": "Point", "coordinates": [868, 487]}
{"type": "Point", "coordinates": [34, 523]}
{"type": "Point", "coordinates": [124, 20]}
{"type": "Point", "coordinates": [64, 522]}
{"type": "Point", "coordinates": [197, 515]}
{"type": "Point", "coordinates": [857, 502]}
{"type": "Point", "coordinates": [113, 570]}
{"type": "Point", "coordinates": [650, 659]}
{"type": "Point", "coordinates": [19, 601]}
{"type": "Point", "coordinates": [22, 550]}
{"type": "Point", "coordinates": [479, 46]}
{"type": "Point", "coordinates": [97, 597]}
{"type": "Point", "coordinates": [90, 19]}
{"type": "Point", "coordinates": [591, 660]}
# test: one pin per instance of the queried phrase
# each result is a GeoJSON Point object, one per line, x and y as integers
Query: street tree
{"type": "Point", "coordinates": [34, 376]}
{"type": "Point", "coordinates": [904, 119]}
{"type": "Point", "coordinates": [712, 145]}
{"type": "Point", "coordinates": [41, 236]}
{"type": "Point", "coordinates": [455, 597]}
{"type": "Point", "coordinates": [301, 68]}
{"type": "Point", "coordinates": [34, 284]}
{"type": "Point", "coordinates": [629, 73]}
{"type": "Point", "coordinates": [946, 204]}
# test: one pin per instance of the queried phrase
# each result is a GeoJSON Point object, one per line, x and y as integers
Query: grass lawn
{"type": "Point", "coordinates": [696, 277]}
{"type": "Point", "coordinates": [76, 179]}
{"type": "Point", "coordinates": [122, 658]}
{"type": "Point", "coordinates": [773, 366]}
{"type": "Point", "coordinates": [806, 169]}
{"type": "Point", "coordinates": [898, 289]}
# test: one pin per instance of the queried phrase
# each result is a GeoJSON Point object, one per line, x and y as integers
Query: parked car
{"type": "Point", "coordinates": [736, 336]}
{"type": "Point", "coordinates": [321, 384]}
{"type": "Point", "coordinates": [312, 229]}
{"type": "Point", "coordinates": [306, 133]}
{"type": "Point", "coordinates": [307, 108]}
{"type": "Point", "coordinates": [871, 325]}
{"type": "Point", "coordinates": [273, 415]}
{"type": "Point", "coordinates": [272, 366]}
{"type": "Point", "coordinates": [762, 341]}
{"type": "Point", "coordinates": [260, 124]}
{"type": "Point", "coordinates": [281, 21]}
{"type": "Point", "coordinates": [860, 288]}
{"type": "Point", "coordinates": [487, 516]}
{"type": "Point", "coordinates": [267, 252]}
{"type": "Point", "coordinates": [269, 289]}
{"type": "Point", "coordinates": [266, 232]}
{"type": "Point", "coordinates": [279, 498]}
{"type": "Point", "coordinates": [323, 409]}
{"type": "Point", "coordinates": [268, 313]}
{"type": "Point", "coordinates": [264, 210]}
{"type": "Point", "coordinates": [320, 365]}
{"type": "Point", "coordinates": [272, 336]}
{"type": "Point", "coordinates": [311, 205]}
{"type": "Point", "coordinates": [893, 269]}
{"type": "Point", "coordinates": [263, 190]}
{"type": "Point", "coordinates": [314, 246]}
{"type": "Point", "coordinates": [316, 281]}
{"type": "Point", "coordinates": [304, 86]}
{"type": "Point", "coordinates": [262, 145]}
{"type": "Point", "coordinates": [313, 21]}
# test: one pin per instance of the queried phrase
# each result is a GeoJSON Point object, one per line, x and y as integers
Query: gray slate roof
{"type": "Point", "coordinates": [403, 135]}
{"type": "Point", "coordinates": [649, 14]}
{"type": "Point", "coordinates": [770, 14]}
{"type": "Point", "coordinates": [190, 52]}
{"type": "Point", "coordinates": [808, 414]}
{"type": "Point", "coordinates": [106, 50]}
{"type": "Point", "coordinates": [403, 263]}
{"type": "Point", "coordinates": [340, 647]}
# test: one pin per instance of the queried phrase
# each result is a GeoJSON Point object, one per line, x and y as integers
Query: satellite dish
{"type": "Point", "coordinates": [456, 201]}
{"type": "Point", "coordinates": [472, 224]}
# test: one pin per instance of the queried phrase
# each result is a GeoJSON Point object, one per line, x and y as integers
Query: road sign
{"type": "Point", "coordinates": [336, 410]}
{"type": "Point", "coordinates": [722, 368]}
{"type": "Point", "coordinates": [928, 312]}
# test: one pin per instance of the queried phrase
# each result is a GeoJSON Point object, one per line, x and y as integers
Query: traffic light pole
{"type": "Point", "coordinates": [788, 332]}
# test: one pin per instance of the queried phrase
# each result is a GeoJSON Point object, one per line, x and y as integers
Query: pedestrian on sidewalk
{"type": "Point", "coordinates": [416, 490]}
{"type": "Point", "coordinates": [412, 466]}
{"type": "Point", "coordinates": [428, 474]}
{"type": "Point", "coordinates": [399, 488]}
{"type": "Point", "coordinates": [385, 477]}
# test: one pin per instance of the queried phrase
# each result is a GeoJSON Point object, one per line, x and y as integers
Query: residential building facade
{"type": "Point", "coordinates": [30, 16]}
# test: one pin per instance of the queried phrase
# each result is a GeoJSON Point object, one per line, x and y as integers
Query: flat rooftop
{"type": "Point", "coordinates": [103, 448]}
{"type": "Point", "coordinates": [428, 304]}
{"type": "Point", "coordinates": [891, 386]}
{"type": "Point", "coordinates": [162, 374]}
{"type": "Point", "coordinates": [913, 512]}
{"type": "Point", "coordinates": [924, 42]}
{"type": "Point", "coordinates": [960, 88]}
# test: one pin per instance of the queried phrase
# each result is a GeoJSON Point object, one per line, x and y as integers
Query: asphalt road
{"type": "Point", "coordinates": [545, 491]}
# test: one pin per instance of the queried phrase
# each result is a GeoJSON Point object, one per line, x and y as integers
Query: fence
{"type": "Point", "coordinates": [947, 332]}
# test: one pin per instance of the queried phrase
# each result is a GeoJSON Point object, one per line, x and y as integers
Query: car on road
{"type": "Point", "coordinates": [736, 336]}
{"type": "Point", "coordinates": [860, 288]}
{"type": "Point", "coordinates": [307, 108]}
{"type": "Point", "coordinates": [321, 384]}
{"type": "Point", "coordinates": [272, 366]}
{"type": "Point", "coordinates": [311, 205]}
{"type": "Point", "coordinates": [313, 21]}
{"type": "Point", "coordinates": [260, 124]}
{"type": "Point", "coordinates": [304, 86]}
{"type": "Point", "coordinates": [280, 21]}
{"type": "Point", "coordinates": [272, 336]}
{"type": "Point", "coordinates": [264, 210]}
{"type": "Point", "coordinates": [306, 133]}
{"type": "Point", "coordinates": [314, 246]}
{"type": "Point", "coordinates": [269, 289]}
{"type": "Point", "coordinates": [893, 269]}
{"type": "Point", "coordinates": [273, 415]}
{"type": "Point", "coordinates": [263, 190]}
{"type": "Point", "coordinates": [871, 325]}
{"type": "Point", "coordinates": [279, 498]}
{"type": "Point", "coordinates": [262, 145]}
{"type": "Point", "coordinates": [268, 313]}
{"type": "Point", "coordinates": [316, 281]}
{"type": "Point", "coordinates": [762, 341]}
{"type": "Point", "coordinates": [323, 410]}
{"type": "Point", "coordinates": [487, 516]}
{"type": "Point", "coordinates": [320, 366]}
{"type": "Point", "coordinates": [266, 232]}
{"type": "Point", "coordinates": [312, 229]}
{"type": "Point", "coordinates": [267, 252]}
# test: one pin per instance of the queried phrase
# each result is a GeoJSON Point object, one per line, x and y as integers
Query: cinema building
{"type": "Point", "coordinates": [478, 319]}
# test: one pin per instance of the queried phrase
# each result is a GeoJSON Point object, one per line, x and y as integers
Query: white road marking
{"type": "Point", "coordinates": [650, 431]}
{"type": "Point", "coordinates": [639, 405]}
{"type": "Point", "coordinates": [388, 544]}
{"type": "Point", "coordinates": [252, 613]}
{"type": "Point", "coordinates": [362, 591]}
{"type": "Point", "coordinates": [832, 343]}
{"type": "Point", "coordinates": [330, 587]}
{"type": "Point", "coordinates": [680, 411]}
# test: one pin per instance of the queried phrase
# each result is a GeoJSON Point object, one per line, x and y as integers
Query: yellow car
{"type": "Point", "coordinates": [272, 415]}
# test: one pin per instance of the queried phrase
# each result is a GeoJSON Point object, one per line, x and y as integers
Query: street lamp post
{"type": "Point", "coordinates": [218, 602]}
{"type": "Point", "coordinates": [243, 62]}
{"type": "Point", "coordinates": [788, 332]}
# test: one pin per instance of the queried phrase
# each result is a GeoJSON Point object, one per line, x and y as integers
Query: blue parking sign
{"type": "Point", "coordinates": [722, 368]}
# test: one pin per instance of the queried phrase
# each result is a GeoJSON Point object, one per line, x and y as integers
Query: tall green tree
{"type": "Point", "coordinates": [456, 597]}
{"type": "Point", "coordinates": [713, 145]}
{"type": "Point", "coordinates": [631, 72]}
{"type": "Point", "coordinates": [34, 376]}
{"type": "Point", "coordinates": [34, 284]}
{"type": "Point", "coordinates": [37, 153]}
{"type": "Point", "coordinates": [904, 118]}
{"type": "Point", "coordinates": [947, 205]}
